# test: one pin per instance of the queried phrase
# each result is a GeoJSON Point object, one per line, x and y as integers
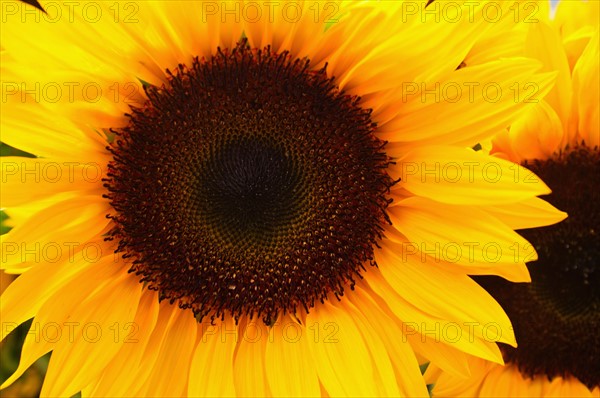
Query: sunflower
{"type": "Point", "coordinates": [242, 198]}
{"type": "Point", "coordinates": [557, 316]}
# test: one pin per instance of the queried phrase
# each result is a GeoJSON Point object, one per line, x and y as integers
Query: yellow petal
{"type": "Point", "coordinates": [498, 44]}
{"type": "Point", "coordinates": [55, 233]}
{"type": "Point", "coordinates": [211, 371]}
{"type": "Point", "coordinates": [384, 373]}
{"type": "Point", "coordinates": [432, 46]}
{"type": "Point", "coordinates": [352, 55]}
{"type": "Point", "coordinates": [576, 43]}
{"type": "Point", "coordinates": [20, 303]}
{"type": "Point", "coordinates": [444, 295]}
{"type": "Point", "coordinates": [457, 234]}
{"type": "Point", "coordinates": [116, 379]}
{"type": "Point", "coordinates": [507, 40]}
{"type": "Point", "coordinates": [517, 272]}
{"type": "Point", "coordinates": [538, 133]}
{"type": "Point", "coordinates": [403, 359]}
{"type": "Point", "coordinates": [73, 102]}
{"type": "Point", "coordinates": [174, 32]}
{"type": "Point", "coordinates": [463, 176]}
{"type": "Point", "coordinates": [508, 382]}
{"type": "Point", "coordinates": [503, 147]}
{"type": "Point", "coordinates": [21, 213]}
{"type": "Point", "coordinates": [294, 26]}
{"type": "Point", "coordinates": [447, 357]}
{"type": "Point", "coordinates": [468, 106]}
{"type": "Point", "coordinates": [586, 85]}
{"type": "Point", "coordinates": [41, 114]}
{"type": "Point", "coordinates": [40, 37]}
{"type": "Point", "coordinates": [25, 179]}
{"type": "Point", "coordinates": [170, 374]}
{"type": "Point", "coordinates": [544, 44]}
{"type": "Point", "coordinates": [529, 213]}
{"type": "Point", "coordinates": [419, 325]}
{"type": "Point", "coordinates": [453, 43]}
{"type": "Point", "coordinates": [340, 342]}
{"type": "Point", "coordinates": [566, 387]}
{"type": "Point", "coordinates": [449, 385]}
{"type": "Point", "coordinates": [50, 314]}
{"type": "Point", "coordinates": [249, 365]}
{"type": "Point", "coordinates": [570, 16]}
{"type": "Point", "coordinates": [100, 324]}
{"type": "Point", "coordinates": [290, 370]}
{"type": "Point", "coordinates": [138, 379]}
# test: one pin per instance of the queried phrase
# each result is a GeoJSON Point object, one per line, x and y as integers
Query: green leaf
{"type": "Point", "coordinates": [3, 228]}
{"type": "Point", "coordinates": [7, 150]}
{"type": "Point", "coordinates": [430, 389]}
{"type": "Point", "coordinates": [145, 84]}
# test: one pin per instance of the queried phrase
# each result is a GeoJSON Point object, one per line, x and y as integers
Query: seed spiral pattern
{"type": "Point", "coordinates": [248, 185]}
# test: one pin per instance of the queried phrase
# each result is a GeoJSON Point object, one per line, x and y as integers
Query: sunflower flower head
{"type": "Point", "coordinates": [556, 316]}
{"type": "Point", "coordinates": [261, 198]}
